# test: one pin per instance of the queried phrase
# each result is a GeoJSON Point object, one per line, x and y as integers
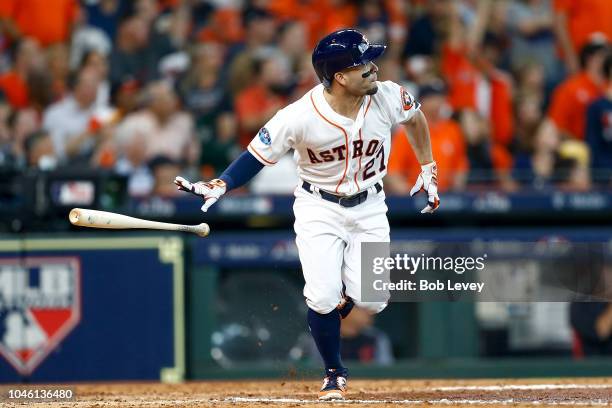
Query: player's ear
{"type": "Point", "coordinates": [340, 77]}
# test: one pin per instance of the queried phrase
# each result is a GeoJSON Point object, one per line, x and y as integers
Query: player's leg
{"type": "Point", "coordinates": [321, 257]}
{"type": "Point", "coordinates": [321, 247]}
{"type": "Point", "coordinates": [370, 225]}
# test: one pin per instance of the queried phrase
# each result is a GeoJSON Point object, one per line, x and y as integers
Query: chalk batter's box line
{"type": "Point", "coordinates": [444, 401]}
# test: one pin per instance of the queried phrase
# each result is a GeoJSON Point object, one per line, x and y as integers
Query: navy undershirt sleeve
{"type": "Point", "coordinates": [243, 169]}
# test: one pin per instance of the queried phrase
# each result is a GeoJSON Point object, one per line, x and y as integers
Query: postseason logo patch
{"type": "Point", "coordinates": [40, 304]}
{"type": "Point", "coordinates": [264, 136]}
{"type": "Point", "coordinates": [407, 100]}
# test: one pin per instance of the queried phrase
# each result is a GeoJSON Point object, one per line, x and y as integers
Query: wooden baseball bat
{"type": "Point", "coordinates": [104, 219]}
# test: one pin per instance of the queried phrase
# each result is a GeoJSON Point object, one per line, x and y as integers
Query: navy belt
{"type": "Point", "coordinates": [344, 201]}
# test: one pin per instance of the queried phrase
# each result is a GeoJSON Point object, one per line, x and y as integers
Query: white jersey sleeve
{"type": "Point", "coordinates": [274, 139]}
{"type": "Point", "coordinates": [399, 103]}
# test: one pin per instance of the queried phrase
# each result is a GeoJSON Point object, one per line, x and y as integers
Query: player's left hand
{"type": "Point", "coordinates": [210, 191]}
{"type": "Point", "coordinates": [428, 182]}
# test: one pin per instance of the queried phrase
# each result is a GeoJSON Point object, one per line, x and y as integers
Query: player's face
{"type": "Point", "coordinates": [361, 80]}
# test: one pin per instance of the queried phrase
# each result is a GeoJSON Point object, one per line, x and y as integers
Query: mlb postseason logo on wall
{"type": "Point", "coordinates": [40, 303]}
{"type": "Point", "coordinates": [264, 136]}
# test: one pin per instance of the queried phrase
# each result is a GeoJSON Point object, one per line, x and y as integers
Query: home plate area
{"type": "Point", "coordinates": [371, 393]}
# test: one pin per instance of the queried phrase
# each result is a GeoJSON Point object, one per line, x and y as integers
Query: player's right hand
{"type": "Point", "coordinates": [210, 191]}
{"type": "Point", "coordinates": [428, 182]}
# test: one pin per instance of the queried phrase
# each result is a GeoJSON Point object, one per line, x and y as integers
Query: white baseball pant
{"type": "Point", "coordinates": [329, 239]}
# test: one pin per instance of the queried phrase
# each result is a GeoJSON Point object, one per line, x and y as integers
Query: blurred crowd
{"type": "Point", "coordinates": [518, 93]}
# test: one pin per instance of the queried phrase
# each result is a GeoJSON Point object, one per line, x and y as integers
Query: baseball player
{"type": "Point", "coordinates": [340, 132]}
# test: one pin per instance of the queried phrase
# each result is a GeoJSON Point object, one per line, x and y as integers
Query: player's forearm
{"type": "Point", "coordinates": [241, 170]}
{"type": "Point", "coordinates": [455, 38]}
{"type": "Point", "coordinates": [418, 136]}
{"type": "Point", "coordinates": [477, 31]}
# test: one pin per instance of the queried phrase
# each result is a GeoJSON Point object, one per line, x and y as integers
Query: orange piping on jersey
{"type": "Point", "coordinates": [345, 141]}
{"type": "Point", "coordinates": [367, 107]}
{"type": "Point", "coordinates": [361, 138]}
{"type": "Point", "coordinates": [358, 171]}
{"type": "Point", "coordinates": [259, 155]}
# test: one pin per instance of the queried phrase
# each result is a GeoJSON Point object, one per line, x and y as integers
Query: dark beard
{"type": "Point", "coordinates": [373, 90]}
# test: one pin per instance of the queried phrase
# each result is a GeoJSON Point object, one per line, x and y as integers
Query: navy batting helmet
{"type": "Point", "coordinates": [340, 50]}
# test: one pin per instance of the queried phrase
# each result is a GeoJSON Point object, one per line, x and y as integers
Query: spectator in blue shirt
{"type": "Point", "coordinates": [105, 15]}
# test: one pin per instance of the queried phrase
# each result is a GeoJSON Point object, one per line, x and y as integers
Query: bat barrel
{"type": "Point", "coordinates": [74, 216]}
{"type": "Point", "coordinates": [201, 229]}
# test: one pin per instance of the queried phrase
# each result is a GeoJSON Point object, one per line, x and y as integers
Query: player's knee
{"type": "Point", "coordinates": [372, 307]}
{"type": "Point", "coordinates": [323, 305]}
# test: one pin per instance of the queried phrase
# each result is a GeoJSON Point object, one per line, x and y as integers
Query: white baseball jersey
{"type": "Point", "coordinates": [333, 152]}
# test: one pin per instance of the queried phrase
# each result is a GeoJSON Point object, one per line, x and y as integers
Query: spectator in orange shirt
{"type": "Point", "coordinates": [462, 75]}
{"type": "Point", "coordinates": [14, 82]}
{"type": "Point", "coordinates": [306, 11]}
{"type": "Point", "coordinates": [256, 104]}
{"type": "Point", "coordinates": [576, 21]}
{"type": "Point", "coordinates": [447, 145]}
{"type": "Point", "coordinates": [567, 111]}
{"type": "Point", "coordinates": [475, 82]}
{"type": "Point", "coordinates": [224, 26]}
{"type": "Point", "coordinates": [339, 14]}
{"type": "Point", "coordinates": [500, 107]}
{"type": "Point", "coordinates": [319, 16]}
{"type": "Point", "coordinates": [48, 21]}
{"type": "Point", "coordinates": [457, 58]}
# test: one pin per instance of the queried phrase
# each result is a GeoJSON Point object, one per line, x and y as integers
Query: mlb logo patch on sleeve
{"type": "Point", "coordinates": [264, 136]}
{"type": "Point", "coordinates": [407, 99]}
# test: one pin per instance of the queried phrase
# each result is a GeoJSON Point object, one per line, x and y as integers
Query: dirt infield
{"type": "Point", "coordinates": [370, 393]}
